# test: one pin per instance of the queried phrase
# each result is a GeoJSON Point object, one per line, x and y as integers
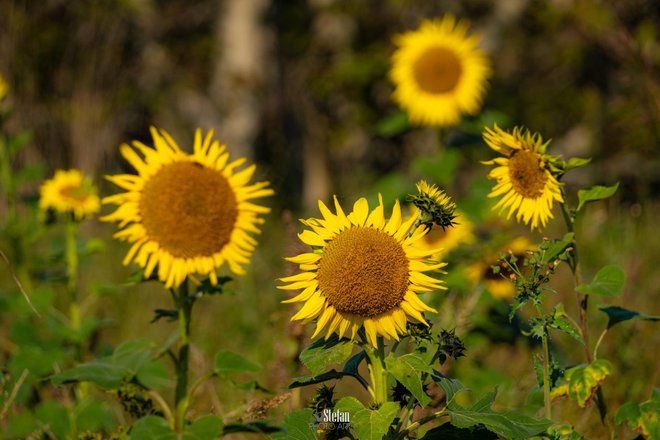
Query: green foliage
{"type": "Point", "coordinates": [618, 314]}
{"type": "Point", "coordinates": [157, 428]}
{"type": "Point", "coordinates": [608, 281]}
{"type": "Point", "coordinates": [643, 418]}
{"type": "Point", "coordinates": [322, 353]}
{"type": "Point", "coordinates": [369, 424]}
{"type": "Point", "coordinates": [583, 380]}
{"type": "Point", "coordinates": [510, 425]}
{"type": "Point", "coordinates": [595, 193]}
{"type": "Point", "coordinates": [408, 370]}
{"type": "Point", "coordinates": [228, 363]}
{"type": "Point", "coordinates": [298, 426]}
{"type": "Point", "coordinates": [131, 361]}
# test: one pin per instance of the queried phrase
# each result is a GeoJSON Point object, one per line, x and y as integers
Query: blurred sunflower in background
{"type": "Point", "coordinates": [364, 272]}
{"type": "Point", "coordinates": [4, 88]}
{"type": "Point", "coordinates": [523, 176]}
{"type": "Point", "coordinates": [439, 73]}
{"type": "Point", "coordinates": [72, 192]}
{"type": "Point", "coordinates": [186, 213]}
{"type": "Point", "coordinates": [499, 285]}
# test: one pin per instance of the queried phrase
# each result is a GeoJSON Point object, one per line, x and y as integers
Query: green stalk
{"type": "Point", "coordinates": [377, 371]}
{"type": "Point", "coordinates": [583, 303]}
{"type": "Point", "coordinates": [181, 400]}
{"type": "Point", "coordinates": [546, 377]}
{"type": "Point", "coordinates": [72, 272]}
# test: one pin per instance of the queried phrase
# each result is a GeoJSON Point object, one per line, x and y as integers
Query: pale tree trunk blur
{"type": "Point", "coordinates": [239, 73]}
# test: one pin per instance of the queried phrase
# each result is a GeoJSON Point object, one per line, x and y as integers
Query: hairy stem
{"type": "Point", "coordinates": [377, 371]}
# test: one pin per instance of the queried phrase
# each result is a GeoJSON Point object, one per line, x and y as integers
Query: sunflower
{"type": "Point", "coordinates": [364, 272]}
{"type": "Point", "coordinates": [186, 213]}
{"type": "Point", "coordinates": [462, 232]}
{"type": "Point", "coordinates": [498, 284]}
{"type": "Point", "coordinates": [70, 192]}
{"type": "Point", "coordinates": [439, 72]}
{"type": "Point", "coordinates": [523, 176]}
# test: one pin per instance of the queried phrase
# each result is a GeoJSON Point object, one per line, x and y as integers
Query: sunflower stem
{"type": "Point", "coordinates": [181, 400]}
{"type": "Point", "coordinates": [582, 300]}
{"type": "Point", "coordinates": [546, 370]}
{"type": "Point", "coordinates": [72, 280]}
{"type": "Point", "coordinates": [377, 371]}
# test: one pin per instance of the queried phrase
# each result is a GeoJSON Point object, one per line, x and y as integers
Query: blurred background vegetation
{"type": "Point", "coordinates": [301, 87]}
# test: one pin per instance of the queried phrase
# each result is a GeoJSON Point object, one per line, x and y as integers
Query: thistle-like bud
{"type": "Point", "coordinates": [436, 207]}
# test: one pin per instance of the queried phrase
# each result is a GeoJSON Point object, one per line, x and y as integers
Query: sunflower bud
{"type": "Point", "coordinates": [436, 207]}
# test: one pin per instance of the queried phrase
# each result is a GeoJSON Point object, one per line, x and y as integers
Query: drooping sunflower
{"type": "Point", "coordinates": [70, 192]}
{"type": "Point", "coordinates": [498, 284]}
{"type": "Point", "coordinates": [364, 272]}
{"type": "Point", "coordinates": [186, 213]}
{"type": "Point", "coordinates": [439, 72]}
{"type": "Point", "coordinates": [523, 176]}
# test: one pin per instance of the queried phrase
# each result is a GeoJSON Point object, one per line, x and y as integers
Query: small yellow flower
{"type": "Point", "coordinates": [522, 176]}
{"type": "Point", "coordinates": [499, 285]}
{"type": "Point", "coordinates": [364, 271]}
{"type": "Point", "coordinates": [439, 72]}
{"type": "Point", "coordinates": [185, 213]}
{"type": "Point", "coordinates": [70, 192]}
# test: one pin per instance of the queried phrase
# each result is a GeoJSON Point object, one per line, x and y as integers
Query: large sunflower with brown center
{"type": "Point", "coordinates": [523, 176]}
{"type": "Point", "coordinates": [364, 271]}
{"type": "Point", "coordinates": [186, 213]}
{"type": "Point", "coordinates": [439, 72]}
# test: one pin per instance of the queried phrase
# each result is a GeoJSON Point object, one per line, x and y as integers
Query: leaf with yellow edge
{"type": "Point", "coordinates": [583, 380]}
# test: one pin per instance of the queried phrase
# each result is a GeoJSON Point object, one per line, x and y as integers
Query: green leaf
{"type": "Point", "coordinates": [577, 162]}
{"type": "Point", "coordinates": [408, 370]}
{"type": "Point", "coordinates": [510, 425]}
{"type": "Point", "coordinates": [450, 386]}
{"type": "Point", "coordinates": [560, 322]}
{"type": "Point", "coordinates": [154, 375]}
{"type": "Point", "coordinates": [56, 417]}
{"type": "Point", "coordinates": [368, 424]}
{"type": "Point", "coordinates": [583, 380]}
{"type": "Point", "coordinates": [298, 425]}
{"type": "Point", "coordinates": [607, 282]}
{"type": "Point", "coordinates": [101, 372]}
{"type": "Point", "coordinates": [205, 428]}
{"type": "Point", "coordinates": [644, 418]}
{"type": "Point", "coordinates": [450, 432]}
{"type": "Point", "coordinates": [393, 125]}
{"type": "Point", "coordinates": [152, 428]}
{"type": "Point", "coordinates": [595, 193]}
{"type": "Point", "coordinates": [351, 366]}
{"type": "Point", "coordinates": [629, 412]}
{"type": "Point", "coordinates": [312, 380]}
{"type": "Point", "coordinates": [323, 353]}
{"type": "Point", "coordinates": [227, 362]}
{"type": "Point", "coordinates": [93, 415]}
{"type": "Point", "coordinates": [553, 249]}
{"type": "Point", "coordinates": [618, 314]}
{"type": "Point", "coordinates": [132, 355]}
